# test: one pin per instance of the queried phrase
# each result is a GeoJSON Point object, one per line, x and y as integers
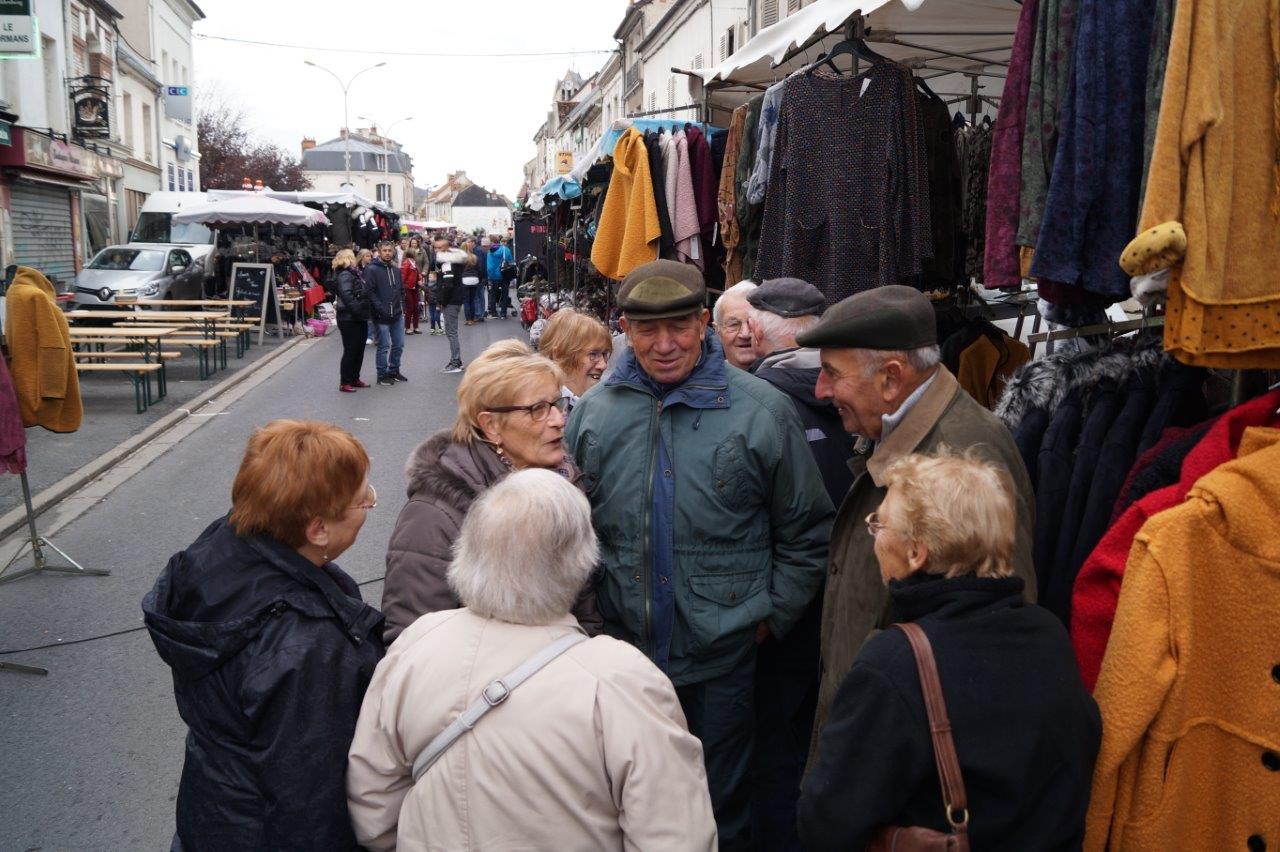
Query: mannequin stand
{"type": "Point", "coordinates": [37, 543]}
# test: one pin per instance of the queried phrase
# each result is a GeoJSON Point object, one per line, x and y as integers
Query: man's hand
{"type": "Point", "coordinates": [762, 633]}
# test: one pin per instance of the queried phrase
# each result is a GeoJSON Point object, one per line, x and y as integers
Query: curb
{"type": "Point", "coordinates": [50, 497]}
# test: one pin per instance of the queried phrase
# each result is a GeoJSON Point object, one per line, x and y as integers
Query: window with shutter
{"type": "Point", "coordinates": [724, 44]}
{"type": "Point", "coordinates": [671, 92]}
{"type": "Point", "coordinates": [653, 101]}
{"type": "Point", "coordinates": [698, 62]}
{"type": "Point", "coordinates": [768, 13]}
{"type": "Point", "coordinates": [793, 6]}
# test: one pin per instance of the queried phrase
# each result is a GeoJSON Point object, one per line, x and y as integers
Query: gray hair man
{"type": "Point", "coordinates": [880, 366]}
{"type": "Point", "coordinates": [787, 670]}
{"type": "Point", "coordinates": [732, 318]}
{"type": "Point", "coordinates": [712, 517]}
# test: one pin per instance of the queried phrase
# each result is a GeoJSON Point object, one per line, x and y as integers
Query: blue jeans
{"type": "Point", "coordinates": [390, 337]}
{"type": "Point", "coordinates": [473, 301]}
{"type": "Point", "coordinates": [433, 313]}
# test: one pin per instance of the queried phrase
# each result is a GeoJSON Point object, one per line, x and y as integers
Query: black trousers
{"type": "Point", "coordinates": [353, 337]}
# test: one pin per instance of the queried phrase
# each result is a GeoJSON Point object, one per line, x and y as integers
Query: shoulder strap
{"type": "Point", "coordinates": [944, 747]}
{"type": "Point", "coordinates": [491, 696]}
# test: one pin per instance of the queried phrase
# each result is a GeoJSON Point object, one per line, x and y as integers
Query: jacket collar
{"type": "Point", "coordinates": [923, 594]}
{"type": "Point", "coordinates": [706, 387]}
{"type": "Point", "coordinates": [356, 617]}
{"type": "Point", "coordinates": [918, 423]}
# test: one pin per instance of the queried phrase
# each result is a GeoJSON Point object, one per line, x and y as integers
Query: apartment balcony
{"type": "Point", "coordinates": [633, 78]}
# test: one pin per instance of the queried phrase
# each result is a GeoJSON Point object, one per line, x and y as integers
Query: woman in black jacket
{"type": "Point", "coordinates": [451, 266]}
{"type": "Point", "coordinates": [353, 320]}
{"type": "Point", "coordinates": [1026, 730]}
{"type": "Point", "coordinates": [271, 647]}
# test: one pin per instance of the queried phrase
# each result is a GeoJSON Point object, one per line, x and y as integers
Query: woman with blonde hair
{"type": "Point", "coordinates": [1025, 729]}
{"type": "Point", "coordinates": [511, 416]}
{"type": "Point", "coordinates": [580, 346]}
{"type": "Point", "coordinates": [353, 319]}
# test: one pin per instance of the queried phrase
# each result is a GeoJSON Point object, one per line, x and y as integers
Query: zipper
{"type": "Point", "coordinates": [646, 556]}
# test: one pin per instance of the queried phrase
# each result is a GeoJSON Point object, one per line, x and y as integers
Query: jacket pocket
{"type": "Point", "coordinates": [733, 482]}
{"type": "Point", "coordinates": [811, 248]}
{"type": "Point", "coordinates": [724, 607]}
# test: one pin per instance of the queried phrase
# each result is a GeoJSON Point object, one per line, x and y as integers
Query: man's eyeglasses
{"type": "Point", "coordinates": [370, 500]}
{"type": "Point", "coordinates": [733, 326]}
{"type": "Point", "coordinates": [538, 411]}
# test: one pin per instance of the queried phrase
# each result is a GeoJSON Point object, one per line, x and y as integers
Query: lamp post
{"type": "Point", "coordinates": [346, 122]}
{"type": "Point", "coordinates": [386, 152]}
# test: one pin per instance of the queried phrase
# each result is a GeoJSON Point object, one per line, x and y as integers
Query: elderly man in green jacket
{"type": "Point", "coordinates": [880, 366]}
{"type": "Point", "coordinates": [712, 517]}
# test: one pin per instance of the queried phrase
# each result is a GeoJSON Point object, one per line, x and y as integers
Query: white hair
{"type": "Point", "coordinates": [525, 550]}
{"type": "Point", "coordinates": [921, 360]}
{"type": "Point", "coordinates": [779, 332]}
{"type": "Point", "coordinates": [739, 290]}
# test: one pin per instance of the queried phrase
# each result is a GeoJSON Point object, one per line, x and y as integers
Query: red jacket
{"type": "Point", "coordinates": [1097, 586]}
{"type": "Point", "coordinates": [409, 273]}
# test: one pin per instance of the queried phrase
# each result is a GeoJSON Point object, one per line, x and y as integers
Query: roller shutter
{"type": "Point", "coordinates": [41, 218]}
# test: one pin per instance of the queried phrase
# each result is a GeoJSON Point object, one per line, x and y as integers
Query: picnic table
{"type": "Point", "coordinates": [140, 373]}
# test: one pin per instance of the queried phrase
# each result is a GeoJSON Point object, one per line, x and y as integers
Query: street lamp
{"type": "Point", "coordinates": [386, 154]}
{"type": "Point", "coordinates": [346, 123]}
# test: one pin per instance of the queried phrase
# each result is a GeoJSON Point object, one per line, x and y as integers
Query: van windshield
{"type": "Point", "coordinates": [134, 260]}
{"type": "Point", "coordinates": [159, 228]}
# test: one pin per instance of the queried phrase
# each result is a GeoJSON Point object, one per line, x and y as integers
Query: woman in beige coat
{"type": "Point", "coordinates": [592, 752]}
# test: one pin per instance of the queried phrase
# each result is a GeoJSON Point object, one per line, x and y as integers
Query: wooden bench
{"type": "Point", "coordinates": [224, 329]}
{"type": "Point", "coordinates": [119, 353]}
{"type": "Point", "coordinates": [139, 373]}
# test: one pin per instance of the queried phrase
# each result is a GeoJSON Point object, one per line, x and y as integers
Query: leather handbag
{"type": "Point", "coordinates": [894, 838]}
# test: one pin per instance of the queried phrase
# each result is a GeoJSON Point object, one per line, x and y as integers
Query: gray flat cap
{"type": "Point", "coordinates": [892, 317]}
{"type": "Point", "coordinates": [788, 297]}
{"type": "Point", "coordinates": [661, 289]}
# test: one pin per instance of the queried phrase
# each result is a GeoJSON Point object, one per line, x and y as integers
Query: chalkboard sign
{"type": "Point", "coordinates": [257, 281]}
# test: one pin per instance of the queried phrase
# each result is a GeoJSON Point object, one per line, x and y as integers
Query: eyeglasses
{"type": "Point", "coordinates": [370, 500]}
{"type": "Point", "coordinates": [598, 355]}
{"type": "Point", "coordinates": [733, 326]}
{"type": "Point", "coordinates": [873, 524]}
{"type": "Point", "coordinates": [538, 411]}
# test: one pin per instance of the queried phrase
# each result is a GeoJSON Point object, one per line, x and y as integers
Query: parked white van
{"type": "Point", "coordinates": [155, 225]}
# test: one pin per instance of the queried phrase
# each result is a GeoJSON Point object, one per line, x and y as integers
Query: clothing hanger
{"type": "Point", "coordinates": [855, 47]}
{"type": "Point", "coordinates": [924, 87]}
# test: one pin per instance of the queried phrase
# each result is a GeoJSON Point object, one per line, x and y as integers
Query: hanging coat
{"type": "Point", "coordinates": [41, 363]}
{"type": "Point", "coordinates": [629, 231]}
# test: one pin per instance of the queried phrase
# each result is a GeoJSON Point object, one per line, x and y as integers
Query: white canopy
{"type": "Point", "coordinates": [948, 37]}
{"type": "Point", "coordinates": [251, 209]}
{"type": "Point", "coordinates": [346, 197]}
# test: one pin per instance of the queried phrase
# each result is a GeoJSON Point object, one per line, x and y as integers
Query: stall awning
{"type": "Point", "coordinates": [250, 210]}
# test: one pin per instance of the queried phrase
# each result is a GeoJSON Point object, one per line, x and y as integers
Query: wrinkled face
{"type": "Point", "coordinates": [896, 554]}
{"type": "Point", "coordinates": [735, 331]}
{"type": "Point", "coordinates": [588, 370]}
{"type": "Point", "coordinates": [859, 398]}
{"type": "Point", "coordinates": [526, 441]}
{"type": "Point", "coordinates": [344, 529]}
{"type": "Point", "coordinates": [387, 253]}
{"type": "Point", "coordinates": [667, 349]}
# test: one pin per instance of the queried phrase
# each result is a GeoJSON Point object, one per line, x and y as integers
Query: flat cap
{"type": "Point", "coordinates": [661, 289]}
{"type": "Point", "coordinates": [788, 297]}
{"type": "Point", "coordinates": [892, 317]}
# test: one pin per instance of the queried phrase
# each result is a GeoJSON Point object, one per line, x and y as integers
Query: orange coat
{"type": "Point", "coordinates": [628, 233]}
{"type": "Point", "coordinates": [40, 358]}
{"type": "Point", "coordinates": [1190, 685]}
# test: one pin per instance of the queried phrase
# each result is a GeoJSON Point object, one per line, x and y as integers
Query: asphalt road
{"type": "Point", "coordinates": [91, 754]}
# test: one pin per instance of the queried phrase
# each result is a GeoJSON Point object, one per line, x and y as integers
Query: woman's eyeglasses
{"type": "Point", "coordinates": [538, 411]}
{"type": "Point", "coordinates": [873, 524]}
{"type": "Point", "coordinates": [370, 500]}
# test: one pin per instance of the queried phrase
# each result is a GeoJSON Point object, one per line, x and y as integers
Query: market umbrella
{"type": "Point", "coordinates": [256, 210]}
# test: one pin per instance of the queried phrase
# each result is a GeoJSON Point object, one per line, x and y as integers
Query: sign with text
{"type": "Point", "coordinates": [177, 103]}
{"type": "Point", "coordinates": [257, 281]}
{"type": "Point", "coordinates": [18, 35]}
{"type": "Point", "coordinates": [6, 133]}
{"type": "Point", "coordinates": [564, 162]}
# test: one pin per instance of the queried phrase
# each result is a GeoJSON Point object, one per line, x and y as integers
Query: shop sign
{"type": "Point", "coordinates": [91, 108]}
{"type": "Point", "coordinates": [17, 29]}
{"type": "Point", "coordinates": [564, 162]}
{"type": "Point", "coordinates": [6, 133]}
{"type": "Point", "coordinates": [57, 156]}
{"type": "Point", "coordinates": [177, 103]}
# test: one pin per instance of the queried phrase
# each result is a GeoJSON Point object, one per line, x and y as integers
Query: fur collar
{"type": "Point", "coordinates": [453, 256]}
{"type": "Point", "coordinates": [451, 473]}
{"type": "Point", "coordinates": [1044, 382]}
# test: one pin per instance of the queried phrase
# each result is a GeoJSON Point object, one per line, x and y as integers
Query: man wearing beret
{"type": "Point", "coordinates": [711, 514]}
{"type": "Point", "coordinates": [787, 670]}
{"type": "Point", "coordinates": [880, 366]}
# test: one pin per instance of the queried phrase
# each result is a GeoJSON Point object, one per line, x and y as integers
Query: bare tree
{"type": "Point", "coordinates": [229, 153]}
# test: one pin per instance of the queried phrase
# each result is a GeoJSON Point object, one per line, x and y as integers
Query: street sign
{"type": "Point", "coordinates": [18, 36]}
{"type": "Point", "coordinates": [177, 103]}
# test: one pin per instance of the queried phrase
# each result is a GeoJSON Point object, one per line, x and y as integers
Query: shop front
{"type": "Point", "coordinates": [59, 198]}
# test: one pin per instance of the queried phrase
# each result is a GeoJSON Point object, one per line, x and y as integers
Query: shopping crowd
{"type": "Point", "coordinates": [621, 608]}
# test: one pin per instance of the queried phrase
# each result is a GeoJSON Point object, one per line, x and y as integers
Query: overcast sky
{"type": "Point", "coordinates": [468, 112]}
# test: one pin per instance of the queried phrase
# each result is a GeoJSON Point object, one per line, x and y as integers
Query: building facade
{"type": "Point", "coordinates": [478, 209]}
{"type": "Point", "coordinates": [380, 168]}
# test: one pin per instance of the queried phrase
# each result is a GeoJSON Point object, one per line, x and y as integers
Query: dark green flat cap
{"type": "Point", "coordinates": [662, 289]}
{"type": "Point", "coordinates": [892, 317]}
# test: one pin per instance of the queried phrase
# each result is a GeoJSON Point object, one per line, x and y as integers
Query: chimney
{"type": "Point", "coordinates": [307, 144]}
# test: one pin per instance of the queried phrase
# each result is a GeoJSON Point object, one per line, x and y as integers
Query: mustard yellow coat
{"type": "Point", "coordinates": [1190, 685]}
{"type": "Point", "coordinates": [628, 232]}
{"type": "Point", "coordinates": [40, 358]}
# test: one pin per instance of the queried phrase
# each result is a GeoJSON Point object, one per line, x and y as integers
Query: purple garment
{"type": "Point", "coordinates": [706, 181]}
{"type": "Point", "coordinates": [13, 438]}
{"type": "Point", "coordinates": [1092, 208]}
{"type": "Point", "coordinates": [1005, 176]}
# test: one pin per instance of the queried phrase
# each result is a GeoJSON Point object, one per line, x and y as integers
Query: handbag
{"type": "Point", "coordinates": [894, 838]}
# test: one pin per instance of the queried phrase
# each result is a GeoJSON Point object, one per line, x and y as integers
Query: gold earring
{"type": "Point", "coordinates": [497, 448]}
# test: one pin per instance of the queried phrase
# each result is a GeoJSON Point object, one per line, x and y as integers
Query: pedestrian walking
{"type": "Point", "coordinates": [271, 647]}
{"type": "Point", "coordinates": [787, 670]}
{"type": "Point", "coordinates": [473, 299]}
{"type": "Point", "coordinates": [453, 266]}
{"type": "Point", "coordinates": [580, 346]}
{"type": "Point", "coordinates": [590, 751]}
{"type": "Point", "coordinates": [712, 517]}
{"type": "Point", "coordinates": [732, 318]}
{"type": "Point", "coordinates": [881, 368]}
{"type": "Point", "coordinates": [410, 278]}
{"type": "Point", "coordinates": [500, 257]}
{"type": "Point", "coordinates": [352, 311]}
{"type": "Point", "coordinates": [386, 307]}
{"type": "Point", "coordinates": [1025, 729]}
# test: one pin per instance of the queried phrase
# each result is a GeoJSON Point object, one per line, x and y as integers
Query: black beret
{"type": "Point", "coordinates": [788, 297]}
{"type": "Point", "coordinates": [892, 317]}
{"type": "Point", "coordinates": [661, 289]}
